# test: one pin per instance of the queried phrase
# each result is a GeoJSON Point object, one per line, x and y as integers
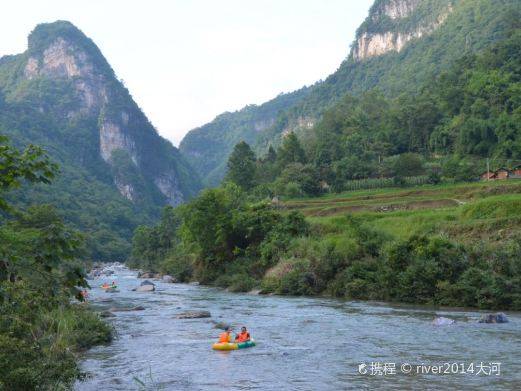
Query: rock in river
{"type": "Point", "coordinates": [127, 309]}
{"type": "Point", "coordinates": [168, 279]}
{"type": "Point", "coordinates": [442, 321]}
{"type": "Point", "coordinates": [193, 315]}
{"type": "Point", "coordinates": [145, 288]}
{"type": "Point", "coordinates": [221, 325]}
{"type": "Point", "coordinates": [494, 318]}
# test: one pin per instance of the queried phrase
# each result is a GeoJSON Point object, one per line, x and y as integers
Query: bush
{"type": "Point", "coordinates": [493, 208]}
{"type": "Point", "coordinates": [293, 190]}
{"type": "Point", "coordinates": [178, 265]}
{"type": "Point", "coordinates": [39, 338]}
{"type": "Point", "coordinates": [241, 283]}
{"type": "Point", "coordinates": [408, 164]}
{"type": "Point", "coordinates": [474, 288]}
{"type": "Point", "coordinates": [290, 277]}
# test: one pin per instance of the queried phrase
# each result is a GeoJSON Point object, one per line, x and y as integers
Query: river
{"type": "Point", "coordinates": [302, 344]}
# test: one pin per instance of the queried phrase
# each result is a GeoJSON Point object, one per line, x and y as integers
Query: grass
{"type": "Point", "coordinates": [466, 212]}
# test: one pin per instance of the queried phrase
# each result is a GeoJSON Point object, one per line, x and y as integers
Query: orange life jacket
{"type": "Point", "coordinates": [225, 337]}
{"type": "Point", "coordinates": [243, 337]}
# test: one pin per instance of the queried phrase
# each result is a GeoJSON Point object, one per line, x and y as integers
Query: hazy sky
{"type": "Point", "coordinates": [186, 61]}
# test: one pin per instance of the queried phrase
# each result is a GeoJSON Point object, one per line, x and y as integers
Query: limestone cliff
{"type": "Point", "coordinates": [393, 23]}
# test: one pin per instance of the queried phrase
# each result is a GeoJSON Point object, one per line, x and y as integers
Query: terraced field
{"type": "Point", "coordinates": [484, 210]}
{"type": "Point", "coordinates": [389, 200]}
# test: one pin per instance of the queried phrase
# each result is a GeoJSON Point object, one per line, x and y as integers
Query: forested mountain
{"type": "Point", "coordinates": [116, 171]}
{"type": "Point", "coordinates": [400, 47]}
{"type": "Point", "coordinates": [207, 147]}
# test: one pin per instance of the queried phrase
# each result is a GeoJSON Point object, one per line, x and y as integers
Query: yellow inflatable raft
{"type": "Point", "coordinates": [224, 346]}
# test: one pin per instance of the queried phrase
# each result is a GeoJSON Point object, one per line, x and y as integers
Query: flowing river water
{"type": "Point", "coordinates": [302, 343]}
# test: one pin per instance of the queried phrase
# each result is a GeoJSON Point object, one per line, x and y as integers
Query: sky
{"type": "Point", "coordinates": [186, 61]}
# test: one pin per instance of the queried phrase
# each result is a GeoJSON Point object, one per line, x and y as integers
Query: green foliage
{"type": "Point", "coordinates": [408, 164]}
{"type": "Point", "coordinates": [493, 208]}
{"type": "Point", "coordinates": [207, 148]}
{"type": "Point", "coordinates": [241, 166]}
{"type": "Point", "coordinates": [290, 151]}
{"type": "Point", "coordinates": [297, 180]}
{"type": "Point", "coordinates": [39, 337]}
{"type": "Point", "coordinates": [219, 237]}
{"type": "Point", "coordinates": [457, 119]}
{"type": "Point", "coordinates": [40, 329]}
{"type": "Point", "coordinates": [150, 244]}
{"type": "Point", "coordinates": [178, 263]}
{"type": "Point", "coordinates": [32, 165]}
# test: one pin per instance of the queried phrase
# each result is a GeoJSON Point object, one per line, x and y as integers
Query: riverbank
{"type": "Point", "coordinates": [318, 343]}
{"type": "Point", "coordinates": [450, 245]}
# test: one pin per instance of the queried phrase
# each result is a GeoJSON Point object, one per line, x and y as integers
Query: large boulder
{"type": "Point", "coordinates": [146, 282]}
{"type": "Point", "coordinates": [168, 279]}
{"type": "Point", "coordinates": [442, 321]}
{"type": "Point", "coordinates": [145, 275]}
{"type": "Point", "coordinates": [499, 317]}
{"type": "Point", "coordinates": [145, 288]}
{"type": "Point", "coordinates": [193, 315]}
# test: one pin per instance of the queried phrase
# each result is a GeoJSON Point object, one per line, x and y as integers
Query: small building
{"type": "Point", "coordinates": [488, 175]}
{"type": "Point", "coordinates": [502, 173]}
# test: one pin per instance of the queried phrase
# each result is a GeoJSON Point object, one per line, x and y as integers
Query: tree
{"type": "Point", "coordinates": [31, 164]}
{"type": "Point", "coordinates": [408, 164]}
{"type": "Point", "coordinates": [290, 152]}
{"type": "Point", "coordinates": [271, 156]}
{"type": "Point", "coordinates": [241, 166]}
{"type": "Point", "coordinates": [39, 274]}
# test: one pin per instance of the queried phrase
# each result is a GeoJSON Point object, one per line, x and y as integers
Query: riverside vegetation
{"type": "Point", "coordinates": [41, 328]}
{"type": "Point", "coordinates": [445, 243]}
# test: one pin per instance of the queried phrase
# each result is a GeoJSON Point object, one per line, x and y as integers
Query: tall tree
{"type": "Point", "coordinates": [291, 151]}
{"type": "Point", "coordinates": [241, 166]}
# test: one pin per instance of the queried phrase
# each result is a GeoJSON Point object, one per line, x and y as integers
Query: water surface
{"type": "Point", "coordinates": [303, 343]}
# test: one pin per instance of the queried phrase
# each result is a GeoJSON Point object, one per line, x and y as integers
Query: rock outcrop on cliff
{"type": "Point", "coordinates": [392, 24]}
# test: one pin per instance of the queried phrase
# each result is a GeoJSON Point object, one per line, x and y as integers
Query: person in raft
{"type": "Point", "coordinates": [243, 336]}
{"type": "Point", "coordinates": [226, 336]}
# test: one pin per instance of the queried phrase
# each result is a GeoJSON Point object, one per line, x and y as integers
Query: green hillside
{"type": "Point", "coordinates": [207, 148]}
{"type": "Point", "coordinates": [449, 30]}
{"type": "Point", "coordinates": [117, 172]}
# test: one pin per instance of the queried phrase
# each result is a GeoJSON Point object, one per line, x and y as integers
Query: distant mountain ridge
{"type": "Point", "coordinates": [399, 47]}
{"type": "Point", "coordinates": [62, 94]}
{"type": "Point", "coordinates": [207, 148]}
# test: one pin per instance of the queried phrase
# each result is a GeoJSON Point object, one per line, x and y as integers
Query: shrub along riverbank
{"type": "Point", "coordinates": [456, 245]}
{"type": "Point", "coordinates": [42, 326]}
